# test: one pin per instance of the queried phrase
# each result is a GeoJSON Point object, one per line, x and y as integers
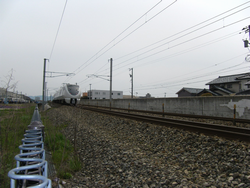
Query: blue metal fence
{"type": "Point", "coordinates": [32, 168]}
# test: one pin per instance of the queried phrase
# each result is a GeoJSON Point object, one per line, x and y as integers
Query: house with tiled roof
{"type": "Point", "coordinates": [237, 84]}
{"type": "Point", "coordinates": [231, 84]}
{"type": "Point", "coordinates": [188, 92]}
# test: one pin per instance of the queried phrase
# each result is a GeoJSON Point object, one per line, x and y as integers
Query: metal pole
{"type": "Point", "coordinates": [110, 92]}
{"type": "Point", "coordinates": [44, 70]}
{"type": "Point", "coordinates": [89, 91]}
{"type": "Point", "coordinates": [46, 92]}
{"type": "Point", "coordinates": [131, 75]}
{"type": "Point", "coordinates": [132, 84]}
{"type": "Point", "coordinates": [234, 123]}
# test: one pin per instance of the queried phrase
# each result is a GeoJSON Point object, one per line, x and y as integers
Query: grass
{"type": "Point", "coordinates": [13, 123]}
{"type": "Point", "coordinates": [63, 155]}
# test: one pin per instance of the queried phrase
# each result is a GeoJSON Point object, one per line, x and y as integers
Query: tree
{"type": "Point", "coordinates": [8, 85]}
{"type": "Point", "coordinates": [148, 95]}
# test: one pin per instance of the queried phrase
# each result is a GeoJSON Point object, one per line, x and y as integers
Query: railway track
{"type": "Point", "coordinates": [229, 132]}
{"type": "Point", "coordinates": [236, 120]}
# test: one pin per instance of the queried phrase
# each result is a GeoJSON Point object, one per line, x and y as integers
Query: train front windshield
{"type": "Point", "coordinates": [73, 89]}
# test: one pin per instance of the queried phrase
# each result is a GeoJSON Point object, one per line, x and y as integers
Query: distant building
{"type": "Point", "coordinates": [13, 97]}
{"type": "Point", "coordinates": [237, 84]}
{"type": "Point", "coordinates": [104, 94]}
{"type": "Point", "coordinates": [188, 92]}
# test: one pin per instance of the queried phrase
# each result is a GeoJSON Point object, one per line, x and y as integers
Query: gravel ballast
{"type": "Point", "coordinates": [118, 152]}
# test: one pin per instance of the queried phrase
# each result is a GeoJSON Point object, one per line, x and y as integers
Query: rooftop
{"type": "Point", "coordinates": [229, 78]}
{"type": "Point", "coordinates": [191, 90]}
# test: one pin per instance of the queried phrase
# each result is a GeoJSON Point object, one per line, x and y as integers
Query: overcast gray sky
{"type": "Point", "coordinates": [169, 44]}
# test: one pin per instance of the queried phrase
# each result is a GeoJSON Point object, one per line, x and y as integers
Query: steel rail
{"type": "Point", "coordinates": [237, 120]}
{"type": "Point", "coordinates": [229, 132]}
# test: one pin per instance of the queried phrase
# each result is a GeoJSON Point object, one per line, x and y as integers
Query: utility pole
{"type": "Point", "coordinates": [89, 91]}
{"type": "Point", "coordinates": [110, 92]}
{"type": "Point", "coordinates": [44, 71]}
{"type": "Point", "coordinates": [246, 30]}
{"type": "Point", "coordinates": [131, 76]}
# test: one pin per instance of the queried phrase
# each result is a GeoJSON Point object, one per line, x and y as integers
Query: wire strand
{"type": "Point", "coordinates": [58, 30]}
{"type": "Point", "coordinates": [121, 39]}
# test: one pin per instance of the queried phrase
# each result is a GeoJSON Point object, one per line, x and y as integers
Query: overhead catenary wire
{"type": "Point", "coordinates": [176, 54]}
{"type": "Point", "coordinates": [121, 33]}
{"type": "Point", "coordinates": [53, 46]}
{"type": "Point", "coordinates": [206, 68]}
{"type": "Point", "coordinates": [159, 85]}
{"type": "Point", "coordinates": [171, 84]}
{"type": "Point", "coordinates": [181, 52]}
{"type": "Point", "coordinates": [183, 35]}
{"type": "Point", "coordinates": [120, 40]}
{"type": "Point", "coordinates": [221, 28]}
{"type": "Point", "coordinates": [113, 40]}
{"type": "Point", "coordinates": [186, 41]}
{"type": "Point", "coordinates": [187, 29]}
{"type": "Point", "coordinates": [143, 58]}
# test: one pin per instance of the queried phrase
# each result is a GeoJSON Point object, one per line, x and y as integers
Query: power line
{"type": "Point", "coordinates": [180, 82]}
{"type": "Point", "coordinates": [58, 29]}
{"type": "Point", "coordinates": [181, 37]}
{"type": "Point", "coordinates": [198, 46]}
{"type": "Point", "coordinates": [184, 30]}
{"type": "Point", "coordinates": [198, 76]}
{"type": "Point", "coordinates": [200, 28]}
{"type": "Point", "coordinates": [182, 52]}
{"type": "Point", "coordinates": [121, 39]}
{"type": "Point", "coordinates": [112, 41]}
{"type": "Point", "coordinates": [183, 42]}
{"type": "Point", "coordinates": [184, 36]}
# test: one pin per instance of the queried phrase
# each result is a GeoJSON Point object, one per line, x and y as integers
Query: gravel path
{"type": "Point", "coordinates": [118, 152]}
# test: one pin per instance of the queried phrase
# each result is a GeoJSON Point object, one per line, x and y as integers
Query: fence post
{"type": "Point", "coordinates": [234, 123]}
{"type": "Point", "coordinates": [162, 109]}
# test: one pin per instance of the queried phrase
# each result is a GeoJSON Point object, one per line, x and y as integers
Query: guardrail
{"type": "Point", "coordinates": [32, 168]}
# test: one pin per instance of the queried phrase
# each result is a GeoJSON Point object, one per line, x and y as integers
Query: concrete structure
{"type": "Point", "coordinates": [104, 94]}
{"type": "Point", "coordinates": [221, 106]}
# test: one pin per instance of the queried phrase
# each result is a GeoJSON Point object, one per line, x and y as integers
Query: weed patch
{"type": "Point", "coordinates": [63, 156]}
{"type": "Point", "coordinates": [13, 122]}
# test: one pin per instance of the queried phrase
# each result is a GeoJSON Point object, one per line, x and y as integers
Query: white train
{"type": "Point", "coordinates": [68, 93]}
